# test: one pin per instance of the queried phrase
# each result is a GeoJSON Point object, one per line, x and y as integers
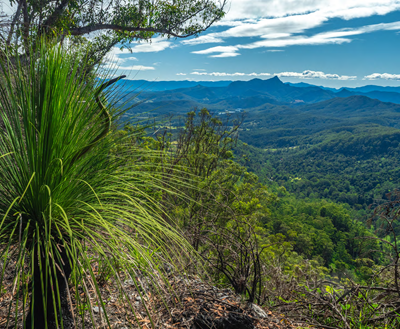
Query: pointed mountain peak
{"type": "Point", "coordinates": [270, 85]}
{"type": "Point", "coordinates": [344, 93]}
{"type": "Point", "coordinates": [276, 79]}
{"type": "Point", "coordinates": [273, 80]}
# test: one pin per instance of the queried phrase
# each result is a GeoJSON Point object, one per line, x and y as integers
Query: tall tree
{"type": "Point", "coordinates": [108, 22]}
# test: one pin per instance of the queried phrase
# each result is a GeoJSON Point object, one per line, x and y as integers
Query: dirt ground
{"type": "Point", "coordinates": [187, 302]}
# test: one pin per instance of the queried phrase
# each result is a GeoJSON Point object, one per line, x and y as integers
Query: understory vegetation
{"type": "Point", "coordinates": [308, 258]}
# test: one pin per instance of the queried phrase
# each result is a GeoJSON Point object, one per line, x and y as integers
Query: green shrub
{"type": "Point", "coordinates": [65, 198]}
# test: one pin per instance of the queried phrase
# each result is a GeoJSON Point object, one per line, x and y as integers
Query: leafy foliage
{"type": "Point", "coordinates": [119, 22]}
{"type": "Point", "coordinates": [352, 165]}
{"type": "Point", "coordinates": [237, 224]}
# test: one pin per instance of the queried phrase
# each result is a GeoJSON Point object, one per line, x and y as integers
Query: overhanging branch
{"type": "Point", "coordinates": [98, 27]}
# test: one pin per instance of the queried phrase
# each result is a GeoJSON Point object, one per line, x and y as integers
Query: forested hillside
{"type": "Point", "coordinates": [355, 165]}
{"type": "Point", "coordinates": [315, 142]}
{"type": "Point", "coordinates": [325, 168]}
{"type": "Point", "coordinates": [352, 161]}
{"type": "Point", "coordinates": [271, 221]}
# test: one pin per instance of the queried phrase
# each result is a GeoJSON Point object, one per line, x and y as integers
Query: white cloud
{"type": "Point", "coordinates": [219, 49]}
{"type": "Point", "coordinates": [283, 23]}
{"type": "Point", "coordinates": [275, 18]}
{"type": "Point", "coordinates": [233, 54]}
{"type": "Point", "coordinates": [295, 41]}
{"type": "Point", "coordinates": [208, 38]}
{"type": "Point", "coordinates": [274, 27]}
{"type": "Point", "coordinates": [385, 76]}
{"type": "Point", "coordinates": [285, 39]}
{"type": "Point", "coordinates": [245, 9]}
{"type": "Point", "coordinates": [115, 61]}
{"type": "Point", "coordinates": [136, 68]}
{"type": "Point", "coordinates": [259, 74]}
{"type": "Point", "coordinates": [156, 45]}
{"type": "Point", "coordinates": [199, 73]}
{"type": "Point", "coordinates": [267, 28]}
{"type": "Point", "coordinates": [361, 30]}
{"type": "Point", "coordinates": [314, 75]}
{"type": "Point", "coordinates": [275, 50]}
{"type": "Point", "coordinates": [225, 51]}
{"type": "Point", "coordinates": [224, 74]}
{"type": "Point", "coordinates": [113, 56]}
{"type": "Point", "coordinates": [181, 74]}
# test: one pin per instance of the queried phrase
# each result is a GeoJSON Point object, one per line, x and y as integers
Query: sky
{"type": "Point", "coordinates": [332, 43]}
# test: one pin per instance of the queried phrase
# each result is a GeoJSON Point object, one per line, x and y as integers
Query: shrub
{"type": "Point", "coordinates": [65, 198]}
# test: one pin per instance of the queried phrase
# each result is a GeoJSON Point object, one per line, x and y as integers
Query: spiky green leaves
{"type": "Point", "coordinates": [61, 213]}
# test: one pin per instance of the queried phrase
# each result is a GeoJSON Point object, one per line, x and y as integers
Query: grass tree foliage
{"type": "Point", "coordinates": [67, 202]}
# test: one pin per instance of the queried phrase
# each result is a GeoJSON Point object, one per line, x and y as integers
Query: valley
{"type": "Point", "coordinates": [315, 142]}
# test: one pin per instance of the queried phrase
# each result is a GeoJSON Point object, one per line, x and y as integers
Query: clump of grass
{"type": "Point", "coordinates": [65, 197]}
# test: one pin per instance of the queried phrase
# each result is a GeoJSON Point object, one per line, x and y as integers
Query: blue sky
{"type": "Point", "coordinates": [324, 42]}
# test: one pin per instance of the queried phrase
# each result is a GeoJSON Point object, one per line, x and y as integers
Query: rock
{"type": "Point", "coordinates": [232, 321]}
{"type": "Point", "coordinates": [96, 309]}
{"type": "Point", "coordinates": [258, 311]}
{"type": "Point", "coordinates": [128, 283]}
{"type": "Point", "coordinates": [168, 267]}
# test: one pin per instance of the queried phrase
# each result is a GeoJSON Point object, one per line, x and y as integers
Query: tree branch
{"type": "Point", "coordinates": [14, 21]}
{"type": "Point", "coordinates": [97, 27]}
{"type": "Point", "coordinates": [52, 19]}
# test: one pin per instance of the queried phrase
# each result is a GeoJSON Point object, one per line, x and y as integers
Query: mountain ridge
{"type": "Point", "coordinates": [273, 90]}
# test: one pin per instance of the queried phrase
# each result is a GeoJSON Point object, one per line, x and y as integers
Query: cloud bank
{"type": "Point", "coordinates": [308, 74]}
{"type": "Point", "coordinates": [284, 23]}
{"type": "Point", "coordinates": [286, 39]}
{"type": "Point", "coordinates": [384, 76]}
{"type": "Point", "coordinates": [314, 75]}
{"type": "Point", "coordinates": [346, 9]}
{"type": "Point", "coordinates": [224, 74]}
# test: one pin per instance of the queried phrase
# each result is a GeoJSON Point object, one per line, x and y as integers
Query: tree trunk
{"type": "Point", "coordinates": [36, 319]}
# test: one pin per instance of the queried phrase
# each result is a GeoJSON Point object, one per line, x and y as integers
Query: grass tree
{"type": "Point", "coordinates": [65, 198]}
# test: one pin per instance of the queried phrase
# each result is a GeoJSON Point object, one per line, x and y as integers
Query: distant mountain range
{"type": "Point", "coordinates": [269, 86]}
{"type": "Point", "coordinates": [277, 114]}
{"type": "Point", "coordinates": [364, 89]}
{"type": "Point", "coordinates": [145, 86]}
{"type": "Point", "coordinates": [280, 126]}
{"type": "Point", "coordinates": [173, 97]}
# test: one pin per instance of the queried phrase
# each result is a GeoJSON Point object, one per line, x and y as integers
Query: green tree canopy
{"type": "Point", "coordinates": [109, 22]}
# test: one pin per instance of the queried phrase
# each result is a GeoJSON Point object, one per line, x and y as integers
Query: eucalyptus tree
{"type": "Point", "coordinates": [101, 24]}
{"type": "Point", "coordinates": [67, 202]}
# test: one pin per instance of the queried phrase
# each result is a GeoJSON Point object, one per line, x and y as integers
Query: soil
{"type": "Point", "coordinates": [184, 302]}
